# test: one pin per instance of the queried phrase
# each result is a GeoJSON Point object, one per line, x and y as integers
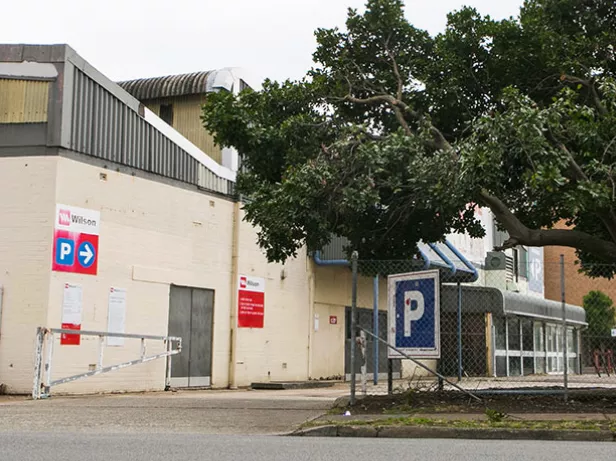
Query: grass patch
{"type": "Point", "coordinates": [472, 424]}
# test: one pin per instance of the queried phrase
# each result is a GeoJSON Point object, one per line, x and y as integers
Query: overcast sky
{"type": "Point", "coordinates": [127, 39]}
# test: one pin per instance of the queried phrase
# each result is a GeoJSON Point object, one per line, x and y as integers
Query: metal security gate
{"type": "Point", "coordinates": [191, 317]}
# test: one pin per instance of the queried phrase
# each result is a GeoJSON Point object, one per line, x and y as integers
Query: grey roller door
{"type": "Point", "coordinates": [191, 317]}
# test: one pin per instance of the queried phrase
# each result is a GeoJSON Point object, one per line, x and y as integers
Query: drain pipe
{"type": "Point", "coordinates": [234, 298]}
{"type": "Point", "coordinates": [333, 262]}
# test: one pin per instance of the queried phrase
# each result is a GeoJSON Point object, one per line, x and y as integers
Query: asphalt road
{"type": "Point", "coordinates": [65, 446]}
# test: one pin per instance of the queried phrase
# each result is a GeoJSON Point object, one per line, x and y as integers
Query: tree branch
{"type": "Point", "coordinates": [606, 216]}
{"type": "Point", "coordinates": [590, 86]}
{"type": "Point", "coordinates": [521, 235]}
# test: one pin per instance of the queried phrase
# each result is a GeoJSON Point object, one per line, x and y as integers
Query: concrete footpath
{"type": "Point", "coordinates": [203, 412]}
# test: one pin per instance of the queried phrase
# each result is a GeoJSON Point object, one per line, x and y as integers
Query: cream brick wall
{"type": "Point", "coordinates": [26, 226]}
{"type": "Point", "coordinates": [279, 351]}
{"type": "Point", "coordinates": [152, 235]}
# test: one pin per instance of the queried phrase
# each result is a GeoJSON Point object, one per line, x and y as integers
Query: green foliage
{"type": "Point", "coordinates": [495, 416]}
{"type": "Point", "coordinates": [394, 134]}
{"type": "Point", "coordinates": [600, 314]}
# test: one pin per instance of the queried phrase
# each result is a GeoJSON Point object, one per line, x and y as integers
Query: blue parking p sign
{"type": "Point", "coordinates": [414, 314]}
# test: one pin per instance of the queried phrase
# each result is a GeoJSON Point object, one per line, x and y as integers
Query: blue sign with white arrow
{"type": "Point", "coordinates": [86, 254]}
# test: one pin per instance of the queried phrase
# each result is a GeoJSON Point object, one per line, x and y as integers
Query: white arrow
{"type": "Point", "coordinates": [87, 254]}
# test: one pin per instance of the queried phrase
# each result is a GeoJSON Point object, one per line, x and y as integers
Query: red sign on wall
{"type": "Point", "coordinates": [333, 320]}
{"type": "Point", "coordinates": [251, 302]}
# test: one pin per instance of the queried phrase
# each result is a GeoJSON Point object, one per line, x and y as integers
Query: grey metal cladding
{"type": "Point", "coordinates": [105, 127]}
{"type": "Point", "coordinates": [162, 87]}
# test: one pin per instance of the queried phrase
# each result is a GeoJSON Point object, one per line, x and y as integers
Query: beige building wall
{"type": "Point", "coordinates": [27, 188]}
{"type": "Point", "coordinates": [332, 295]}
{"type": "Point", "coordinates": [152, 235]}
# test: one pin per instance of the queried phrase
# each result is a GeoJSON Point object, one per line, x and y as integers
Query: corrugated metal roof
{"type": "Point", "coordinates": [171, 85]}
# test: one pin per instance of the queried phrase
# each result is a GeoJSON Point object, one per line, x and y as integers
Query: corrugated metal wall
{"type": "Point", "coordinates": [105, 127]}
{"type": "Point", "coordinates": [23, 101]}
{"type": "Point", "coordinates": [187, 120]}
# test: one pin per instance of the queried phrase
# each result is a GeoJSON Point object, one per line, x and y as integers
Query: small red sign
{"type": "Point", "coordinates": [251, 302]}
{"type": "Point", "coordinates": [333, 320]}
{"type": "Point", "coordinates": [70, 340]}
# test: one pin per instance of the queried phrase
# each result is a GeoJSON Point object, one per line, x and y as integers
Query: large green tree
{"type": "Point", "coordinates": [394, 134]}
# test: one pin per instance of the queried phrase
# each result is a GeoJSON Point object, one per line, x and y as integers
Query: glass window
{"type": "Point", "coordinates": [540, 365]}
{"type": "Point", "coordinates": [499, 333]}
{"type": "Point", "coordinates": [166, 113]}
{"type": "Point", "coordinates": [501, 366]}
{"type": "Point", "coordinates": [527, 335]}
{"type": "Point", "coordinates": [515, 364]}
{"type": "Point", "coordinates": [523, 262]}
{"type": "Point", "coordinates": [571, 340]}
{"type": "Point", "coordinates": [529, 366]}
{"type": "Point", "coordinates": [514, 333]}
{"type": "Point", "coordinates": [572, 365]}
{"type": "Point", "coordinates": [539, 337]}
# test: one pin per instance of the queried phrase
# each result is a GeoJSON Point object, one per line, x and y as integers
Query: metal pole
{"type": "Point", "coordinates": [564, 305]}
{"type": "Point", "coordinates": [459, 332]}
{"type": "Point", "coordinates": [101, 348]}
{"type": "Point", "coordinates": [38, 359]}
{"type": "Point", "coordinates": [168, 367]}
{"type": "Point", "coordinates": [354, 258]}
{"type": "Point", "coordinates": [390, 376]}
{"type": "Point", "coordinates": [375, 293]}
{"type": "Point", "coordinates": [50, 341]}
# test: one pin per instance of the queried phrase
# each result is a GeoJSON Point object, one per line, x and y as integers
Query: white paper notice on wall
{"type": "Point", "coordinates": [72, 307]}
{"type": "Point", "coordinates": [316, 322]}
{"type": "Point", "coordinates": [116, 320]}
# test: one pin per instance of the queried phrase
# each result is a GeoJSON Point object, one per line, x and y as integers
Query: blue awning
{"type": "Point", "coordinates": [453, 266]}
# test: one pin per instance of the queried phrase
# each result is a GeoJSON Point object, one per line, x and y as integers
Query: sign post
{"type": "Point", "coordinates": [414, 314]}
{"type": "Point", "coordinates": [75, 240]}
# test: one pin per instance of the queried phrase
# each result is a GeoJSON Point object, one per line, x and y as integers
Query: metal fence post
{"type": "Point", "coordinates": [459, 332]}
{"type": "Point", "coordinates": [48, 363]}
{"type": "Point", "coordinates": [562, 292]}
{"type": "Point", "coordinates": [375, 294]}
{"type": "Point", "coordinates": [390, 376]}
{"type": "Point", "coordinates": [354, 258]}
{"type": "Point", "coordinates": [38, 360]}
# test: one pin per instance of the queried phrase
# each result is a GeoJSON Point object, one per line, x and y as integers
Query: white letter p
{"type": "Point", "coordinates": [412, 315]}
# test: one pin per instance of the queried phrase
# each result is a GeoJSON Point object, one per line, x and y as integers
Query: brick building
{"type": "Point", "coordinates": [576, 285]}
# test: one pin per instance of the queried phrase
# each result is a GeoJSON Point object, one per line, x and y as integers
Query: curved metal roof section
{"type": "Point", "coordinates": [168, 86]}
{"type": "Point", "coordinates": [478, 299]}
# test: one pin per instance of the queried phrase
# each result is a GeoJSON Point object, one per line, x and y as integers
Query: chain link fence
{"type": "Point", "coordinates": [496, 332]}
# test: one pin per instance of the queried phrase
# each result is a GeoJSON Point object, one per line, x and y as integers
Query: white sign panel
{"type": "Point", "coordinates": [72, 307]}
{"type": "Point", "coordinates": [414, 314]}
{"type": "Point", "coordinates": [72, 304]}
{"type": "Point", "coordinates": [116, 321]}
{"type": "Point", "coordinates": [77, 220]}
{"type": "Point", "coordinates": [613, 332]}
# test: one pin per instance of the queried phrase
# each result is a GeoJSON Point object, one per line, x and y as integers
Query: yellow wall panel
{"type": "Point", "coordinates": [187, 121]}
{"type": "Point", "coordinates": [23, 101]}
